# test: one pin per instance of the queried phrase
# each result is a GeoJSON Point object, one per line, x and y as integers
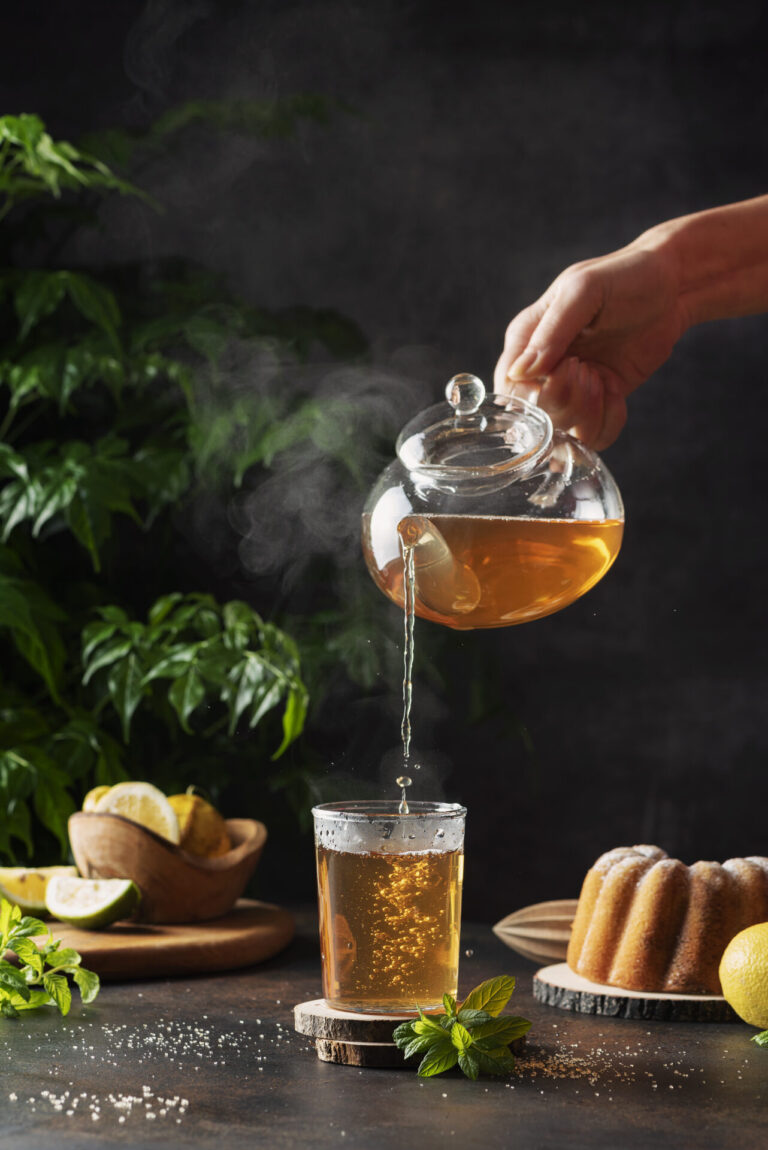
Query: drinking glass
{"type": "Point", "coordinates": [389, 893]}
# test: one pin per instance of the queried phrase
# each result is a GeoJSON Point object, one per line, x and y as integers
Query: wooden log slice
{"type": "Point", "coordinates": [319, 1020]}
{"type": "Point", "coordinates": [380, 1055]}
{"type": "Point", "coordinates": [560, 986]}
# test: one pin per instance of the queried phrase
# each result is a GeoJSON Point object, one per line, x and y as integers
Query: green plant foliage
{"type": "Point", "coordinates": [118, 413]}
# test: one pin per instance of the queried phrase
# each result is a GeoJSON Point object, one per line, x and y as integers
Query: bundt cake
{"type": "Point", "coordinates": [645, 921]}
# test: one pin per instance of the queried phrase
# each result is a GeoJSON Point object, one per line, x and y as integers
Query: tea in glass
{"type": "Point", "coordinates": [389, 893]}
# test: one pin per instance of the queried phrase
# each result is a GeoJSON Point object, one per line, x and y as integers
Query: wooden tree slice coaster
{"type": "Point", "coordinates": [560, 986]}
{"type": "Point", "coordinates": [351, 1039]}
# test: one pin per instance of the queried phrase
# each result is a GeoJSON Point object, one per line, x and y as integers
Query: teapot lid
{"type": "Point", "coordinates": [475, 434]}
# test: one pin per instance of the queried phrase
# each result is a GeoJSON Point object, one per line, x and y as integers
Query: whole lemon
{"type": "Point", "coordinates": [203, 830]}
{"type": "Point", "coordinates": [744, 974]}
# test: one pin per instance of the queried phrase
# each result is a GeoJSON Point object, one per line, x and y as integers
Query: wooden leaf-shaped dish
{"type": "Point", "coordinates": [539, 932]}
{"type": "Point", "coordinates": [175, 885]}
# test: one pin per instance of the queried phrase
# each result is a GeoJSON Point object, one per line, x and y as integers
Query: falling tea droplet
{"type": "Point", "coordinates": [403, 780]}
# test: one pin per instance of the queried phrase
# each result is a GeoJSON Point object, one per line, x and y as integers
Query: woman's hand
{"type": "Point", "coordinates": [595, 335]}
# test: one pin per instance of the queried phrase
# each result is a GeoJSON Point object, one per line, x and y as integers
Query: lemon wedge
{"type": "Point", "coordinates": [91, 903]}
{"type": "Point", "coordinates": [26, 886]}
{"type": "Point", "coordinates": [93, 796]}
{"type": "Point", "coordinates": [144, 804]}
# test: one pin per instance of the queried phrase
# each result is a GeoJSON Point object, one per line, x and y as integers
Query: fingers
{"type": "Point", "coordinates": [585, 400]}
{"type": "Point", "coordinates": [539, 337]}
{"type": "Point", "coordinates": [516, 340]}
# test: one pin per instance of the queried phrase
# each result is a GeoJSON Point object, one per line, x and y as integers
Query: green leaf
{"type": "Point", "coordinates": [27, 952]}
{"type": "Point", "coordinates": [417, 1045]}
{"type": "Point", "coordinates": [442, 1056]}
{"type": "Point", "coordinates": [403, 1034]}
{"type": "Point", "coordinates": [498, 1061]}
{"type": "Point", "coordinates": [473, 1017]}
{"type": "Point", "coordinates": [760, 1039]}
{"type": "Point", "coordinates": [126, 688]}
{"type": "Point", "coordinates": [427, 1025]}
{"type": "Point", "coordinates": [53, 805]}
{"type": "Point", "coordinates": [12, 980]}
{"type": "Point", "coordinates": [109, 654]}
{"type": "Point", "coordinates": [460, 1037]}
{"type": "Point", "coordinates": [29, 927]}
{"type": "Point", "coordinates": [469, 1063]}
{"type": "Point", "coordinates": [449, 1005]}
{"type": "Point", "coordinates": [95, 303]}
{"type": "Point", "coordinates": [293, 717]}
{"type": "Point", "coordinates": [186, 694]}
{"type": "Point", "coordinates": [500, 1031]}
{"type": "Point", "coordinates": [88, 982]}
{"type": "Point", "coordinates": [58, 988]}
{"type": "Point", "coordinates": [491, 996]}
{"type": "Point", "coordinates": [38, 294]}
{"type": "Point", "coordinates": [65, 956]}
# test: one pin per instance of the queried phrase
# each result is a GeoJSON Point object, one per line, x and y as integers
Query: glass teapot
{"type": "Point", "coordinates": [499, 517]}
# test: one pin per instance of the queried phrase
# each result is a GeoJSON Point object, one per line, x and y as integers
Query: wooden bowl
{"type": "Point", "coordinates": [175, 885]}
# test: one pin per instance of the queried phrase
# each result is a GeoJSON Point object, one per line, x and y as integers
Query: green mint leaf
{"type": "Point", "coordinates": [460, 1037]}
{"type": "Point", "coordinates": [403, 1034]}
{"type": "Point", "coordinates": [418, 1045]}
{"type": "Point", "coordinates": [12, 981]}
{"type": "Point", "coordinates": [449, 1002]}
{"type": "Point", "coordinates": [89, 983]}
{"type": "Point", "coordinates": [58, 988]}
{"type": "Point", "coordinates": [10, 914]}
{"type": "Point", "coordinates": [36, 998]}
{"type": "Point", "coordinates": [65, 957]}
{"type": "Point", "coordinates": [473, 1017]}
{"type": "Point", "coordinates": [7, 1009]}
{"type": "Point", "coordinates": [760, 1039]}
{"type": "Point", "coordinates": [491, 996]}
{"type": "Point", "coordinates": [500, 1031]}
{"type": "Point", "coordinates": [27, 952]}
{"type": "Point", "coordinates": [30, 928]}
{"type": "Point", "coordinates": [427, 1025]}
{"type": "Point", "coordinates": [498, 1061]}
{"type": "Point", "coordinates": [469, 1064]}
{"type": "Point", "coordinates": [442, 1056]}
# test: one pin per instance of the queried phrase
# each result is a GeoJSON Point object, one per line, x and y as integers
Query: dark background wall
{"type": "Point", "coordinates": [486, 149]}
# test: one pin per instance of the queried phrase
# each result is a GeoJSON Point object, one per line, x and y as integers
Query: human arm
{"type": "Point", "coordinates": [606, 324]}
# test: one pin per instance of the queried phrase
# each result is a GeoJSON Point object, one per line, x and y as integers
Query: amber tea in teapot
{"type": "Point", "coordinates": [506, 519]}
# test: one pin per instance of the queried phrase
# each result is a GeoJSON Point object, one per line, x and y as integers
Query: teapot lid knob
{"type": "Point", "coordinates": [465, 393]}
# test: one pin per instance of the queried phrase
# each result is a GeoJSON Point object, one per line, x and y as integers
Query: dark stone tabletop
{"type": "Point", "coordinates": [215, 1061]}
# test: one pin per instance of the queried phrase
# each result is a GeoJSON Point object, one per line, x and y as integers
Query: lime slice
{"type": "Point", "coordinates": [91, 902]}
{"type": "Point", "coordinates": [26, 885]}
{"type": "Point", "coordinates": [144, 804]}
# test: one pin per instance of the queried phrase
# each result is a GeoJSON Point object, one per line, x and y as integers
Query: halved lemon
{"type": "Point", "coordinates": [91, 903]}
{"type": "Point", "coordinates": [142, 803]}
{"type": "Point", "coordinates": [26, 885]}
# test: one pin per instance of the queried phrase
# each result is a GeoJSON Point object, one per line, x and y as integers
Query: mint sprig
{"type": "Point", "coordinates": [30, 984]}
{"type": "Point", "coordinates": [471, 1035]}
{"type": "Point", "coordinates": [760, 1039]}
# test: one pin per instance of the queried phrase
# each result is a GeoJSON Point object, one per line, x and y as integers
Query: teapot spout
{"type": "Point", "coordinates": [443, 583]}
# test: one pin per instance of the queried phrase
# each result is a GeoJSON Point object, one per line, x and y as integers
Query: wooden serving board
{"type": "Point", "coordinates": [560, 986]}
{"type": "Point", "coordinates": [251, 932]}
